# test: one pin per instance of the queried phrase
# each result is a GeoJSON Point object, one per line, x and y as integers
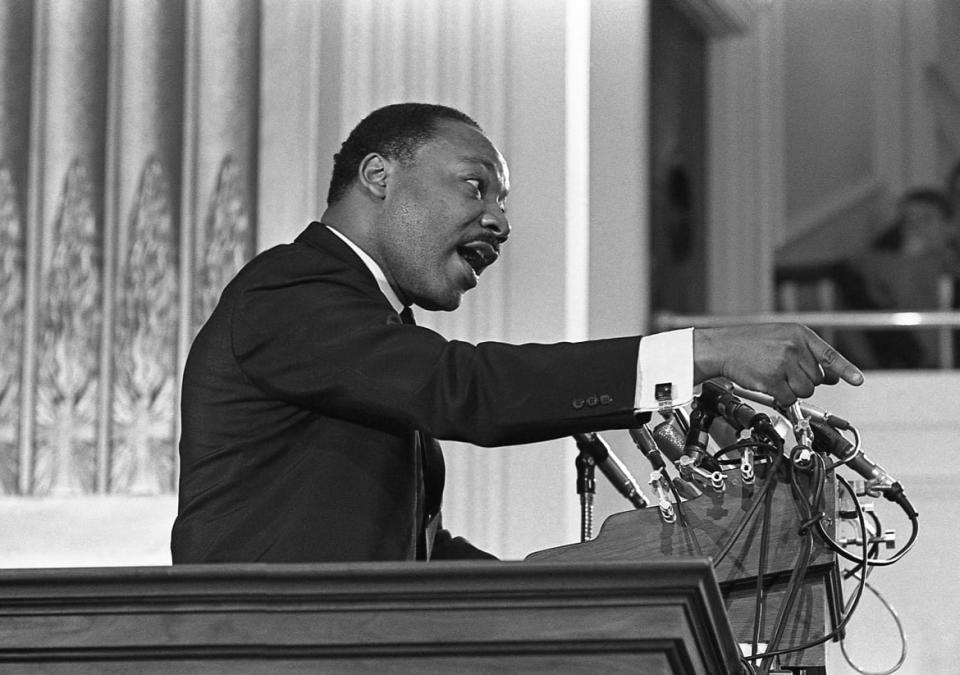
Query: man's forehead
{"type": "Point", "coordinates": [470, 144]}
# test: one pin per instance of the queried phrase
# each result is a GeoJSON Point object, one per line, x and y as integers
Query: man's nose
{"type": "Point", "coordinates": [496, 221]}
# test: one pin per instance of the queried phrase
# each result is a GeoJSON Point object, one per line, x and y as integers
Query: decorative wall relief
{"type": "Point", "coordinates": [225, 242]}
{"type": "Point", "coordinates": [70, 323]}
{"type": "Point", "coordinates": [11, 329]}
{"type": "Point", "coordinates": [114, 116]}
{"type": "Point", "coordinates": [145, 348]}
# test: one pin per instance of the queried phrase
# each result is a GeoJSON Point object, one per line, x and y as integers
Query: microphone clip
{"type": "Point", "coordinates": [667, 513]}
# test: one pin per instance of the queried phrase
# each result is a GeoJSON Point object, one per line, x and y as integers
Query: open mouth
{"type": "Point", "coordinates": [478, 254]}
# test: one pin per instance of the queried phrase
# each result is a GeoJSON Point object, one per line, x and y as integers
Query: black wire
{"type": "Point", "coordinates": [748, 516]}
{"type": "Point", "coordinates": [681, 518]}
{"type": "Point", "coordinates": [764, 445]}
{"type": "Point", "coordinates": [872, 554]}
{"type": "Point", "coordinates": [811, 516]}
{"type": "Point", "coordinates": [839, 550]}
{"type": "Point", "coordinates": [876, 521]}
{"type": "Point", "coordinates": [805, 509]}
{"type": "Point", "coordinates": [868, 552]}
{"type": "Point", "coordinates": [760, 597]}
{"type": "Point", "coordinates": [793, 586]}
{"type": "Point", "coordinates": [851, 605]}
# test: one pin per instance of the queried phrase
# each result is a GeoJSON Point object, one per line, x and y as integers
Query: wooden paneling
{"type": "Point", "coordinates": [398, 618]}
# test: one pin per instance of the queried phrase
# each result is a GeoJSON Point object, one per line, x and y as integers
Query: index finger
{"type": "Point", "coordinates": [834, 364]}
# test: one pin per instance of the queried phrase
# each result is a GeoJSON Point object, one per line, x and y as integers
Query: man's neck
{"type": "Point", "coordinates": [375, 269]}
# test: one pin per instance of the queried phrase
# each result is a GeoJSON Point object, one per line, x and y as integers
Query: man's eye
{"type": "Point", "coordinates": [477, 185]}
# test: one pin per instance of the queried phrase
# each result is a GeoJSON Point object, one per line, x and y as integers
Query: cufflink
{"type": "Point", "coordinates": [663, 393]}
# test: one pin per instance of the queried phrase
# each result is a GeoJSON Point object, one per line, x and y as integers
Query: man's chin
{"type": "Point", "coordinates": [446, 303]}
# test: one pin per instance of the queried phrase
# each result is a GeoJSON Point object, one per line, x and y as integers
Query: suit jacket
{"type": "Point", "coordinates": [309, 413]}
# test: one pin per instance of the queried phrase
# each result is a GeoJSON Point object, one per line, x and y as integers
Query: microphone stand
{"type": "Point", "coordinates": [587, 489]}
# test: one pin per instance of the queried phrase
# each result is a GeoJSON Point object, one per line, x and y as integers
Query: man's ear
{"type": "Point", "coordinates": [372, 175]}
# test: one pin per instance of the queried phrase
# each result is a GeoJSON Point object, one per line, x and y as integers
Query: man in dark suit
{"type": "Point", "coordinates": [311, 400]}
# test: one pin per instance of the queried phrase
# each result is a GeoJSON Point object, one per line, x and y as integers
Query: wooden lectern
{"type": "Point", "coordinates": [643, 597]}
{"type": "Point", "coordinates": [641, 535]}
{"type": "Point", "coordinates": [657, 618]}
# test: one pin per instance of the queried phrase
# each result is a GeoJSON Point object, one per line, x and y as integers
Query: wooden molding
{"type": "Point", "coordinates": [370, 617]}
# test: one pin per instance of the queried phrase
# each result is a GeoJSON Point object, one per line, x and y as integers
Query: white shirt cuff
{"type": "Point", "coordinates": [664, 370]}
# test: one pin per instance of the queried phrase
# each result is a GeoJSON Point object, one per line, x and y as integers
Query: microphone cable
{"type": "Point", "coordinates": [745, 519]}
{"type": "Point", "coordinates": [776, 446]}
{"type": "Point", "coordinates": [900, 631]}
{"type": "Point", "coordinates": [806, 506]}
{"type": "Point", "coordinates": [866, 559]}
{"type": "Point", "coordinates": [849, 608]}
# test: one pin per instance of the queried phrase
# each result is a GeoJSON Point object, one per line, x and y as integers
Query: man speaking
{"type": "Point", "coordinates": [312, 402]}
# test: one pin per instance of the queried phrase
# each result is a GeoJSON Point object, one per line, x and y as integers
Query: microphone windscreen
{"type": "Point", "coordinates": [670, 440]}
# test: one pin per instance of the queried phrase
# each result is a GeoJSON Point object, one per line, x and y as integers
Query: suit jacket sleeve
{"type": "Point", "coordinates": [313, 336]}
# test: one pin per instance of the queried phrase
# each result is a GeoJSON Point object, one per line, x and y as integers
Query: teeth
{"type": "Point", "coordinates": [473, 258]}
{"type": "Point", "coordinates": [478, 254]}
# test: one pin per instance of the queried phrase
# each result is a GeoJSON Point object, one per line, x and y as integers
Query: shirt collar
{"type": "Point", "coordinates": [375, 270]}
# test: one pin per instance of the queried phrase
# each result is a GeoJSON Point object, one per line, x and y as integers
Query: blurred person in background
{"type": "Point", "coordinates": [911, 265]}
{"type": "Point", "coordinates": [952, 192]}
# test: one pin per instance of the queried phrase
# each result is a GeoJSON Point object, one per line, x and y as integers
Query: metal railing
{"type": "Point", "coordinates": [945, 321]}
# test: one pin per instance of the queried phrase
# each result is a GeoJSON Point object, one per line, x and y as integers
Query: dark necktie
{"type": "Point", "coordinates": [420, 547]}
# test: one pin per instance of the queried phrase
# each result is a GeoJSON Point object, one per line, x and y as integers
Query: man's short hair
{"type": "Point", "coordinates": [891, 239]}
{"type": "Point", "coordinates": [395, 132]}
{"type": "Point", "coordinates": [931, 196]}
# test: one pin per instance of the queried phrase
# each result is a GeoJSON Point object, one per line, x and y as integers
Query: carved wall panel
{"type": "Point", "coordinates": [222, 87]}
{"type": "Point", "coordinates": [226, 240]}
{"type": "Point", "coordinates": [11, 336]}
{"type": "Point", "coordinates": [107, 110]}
{"type": "Point", "coordinates": [64, 319]}
{"type": "Point", "coordinates": [16, 17]}
{"type": "Point", "coordinates": [138, 445]}
{"type": "Point", "coordinates": [145, 348]}
{"type": "Point", "coordinates": [70, 324]}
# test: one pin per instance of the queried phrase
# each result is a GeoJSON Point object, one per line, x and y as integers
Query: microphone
{"type": "Point", "coordinates": [807, 409]}
{"type": "Point", "coordinates": [698, 436]}
{"type": "Point", "coordinates": [879, 482]}
{"type": "Point", "coordinates": [611, 466]}
{"type": "Point", "coordinates": [717, 398]}
{"type": "Point", "coordinates": [705, 469]}
{"type": "Point", "coordinates": [669, 439]}
{"type": "Point", "coordinates": [647, 445]}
